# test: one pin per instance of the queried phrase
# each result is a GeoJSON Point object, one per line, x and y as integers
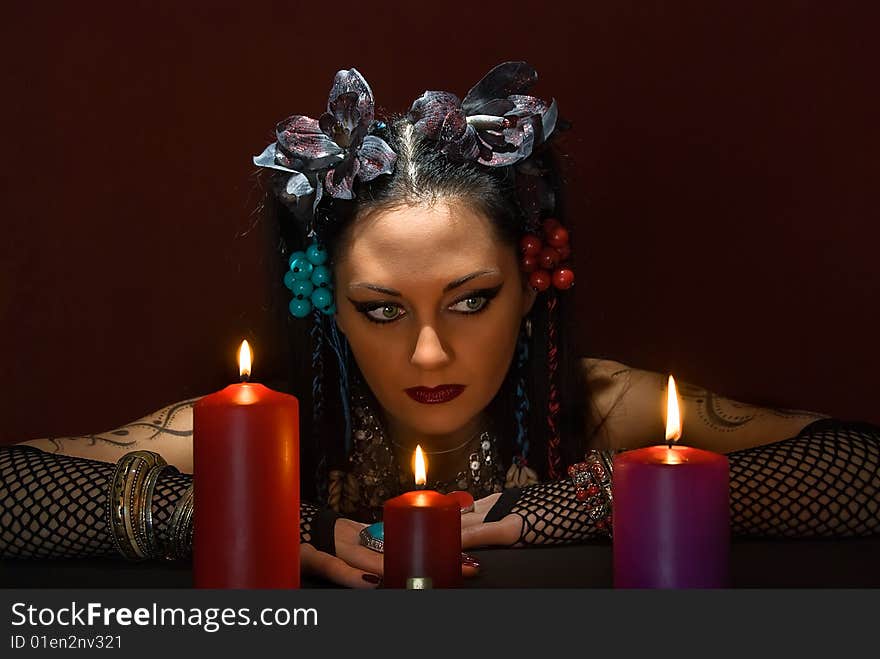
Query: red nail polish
{"type": "Point", "coordinates": [371, 578]}
{"type": "Point", "coordinates": [469, 560]}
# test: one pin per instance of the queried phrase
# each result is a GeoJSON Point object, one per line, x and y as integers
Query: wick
{"type": "Point", "coordinates": [244, 377]}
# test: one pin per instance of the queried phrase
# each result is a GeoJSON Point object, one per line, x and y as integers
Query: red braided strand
{"type": "Point", "coordinates": [554, 462]}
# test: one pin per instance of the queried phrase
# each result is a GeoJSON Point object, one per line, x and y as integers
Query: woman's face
{"type": "Point", "coordinates": [427, 296]}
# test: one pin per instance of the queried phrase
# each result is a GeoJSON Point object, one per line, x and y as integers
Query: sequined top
{"type": "Point", "coordinates": [376, 475]}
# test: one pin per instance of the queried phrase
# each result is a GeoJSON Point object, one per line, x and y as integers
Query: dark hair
{"type": "Point", "coordinates": [515, 199]}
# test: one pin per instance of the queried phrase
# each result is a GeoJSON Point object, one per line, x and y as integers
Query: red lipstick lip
{"type": "Point", "coordinates": [441, 394]}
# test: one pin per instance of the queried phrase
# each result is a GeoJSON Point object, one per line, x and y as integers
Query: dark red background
{"type": "Point", "coordinates": [723, 170]}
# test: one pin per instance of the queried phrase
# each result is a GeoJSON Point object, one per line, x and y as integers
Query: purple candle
{"type": "Point", "coordinates": [671, 515]}
{"type": "Point", "coordinates": [671, 518]}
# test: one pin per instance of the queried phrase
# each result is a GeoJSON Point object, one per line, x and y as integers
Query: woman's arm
{"type": "Point", "coordinates": [56, 506]}
{"type": "Point", "coordinates": [167, 432]}
{"type": "Point", "coordinates": [628, 410]}
{"type": "Point", "coordinates": [823, 482]}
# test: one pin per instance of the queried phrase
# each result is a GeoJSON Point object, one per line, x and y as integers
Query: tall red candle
{"type": "Point", "coordinates": [671, 516]}
{"type": "Point", "coordinates": [422, 539]}
{"type": "Point", "coordinates": [246, 488]}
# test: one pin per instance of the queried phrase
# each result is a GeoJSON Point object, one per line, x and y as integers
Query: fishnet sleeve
{"type": "Point", "coordinates": [825, 482]}
{"type": "Point", "coordinates": [55, 506]}
{"type": "Point", "coordinates": [550, 513]}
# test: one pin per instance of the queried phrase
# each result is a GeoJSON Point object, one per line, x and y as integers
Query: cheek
{"type": "Point", "coordinates": [373, 349]}
{"type": "Point", "coordinates": [488, 352]}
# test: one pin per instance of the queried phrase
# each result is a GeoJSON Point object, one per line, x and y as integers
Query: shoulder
{"type": "Point", "coordinates": [621, 402]}
{"type": "Point", "coordinates": [607, 380]}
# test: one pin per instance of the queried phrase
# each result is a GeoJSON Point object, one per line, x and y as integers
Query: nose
{"type": "Point", "coordinates": [429, 352]}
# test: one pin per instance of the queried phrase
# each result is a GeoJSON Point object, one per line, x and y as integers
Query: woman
{"type": "Point", "coordinates": [427, 268]}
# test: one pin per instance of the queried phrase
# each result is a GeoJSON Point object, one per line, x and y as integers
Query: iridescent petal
{"type": "Point", "coordinates": [302, 137]}
{"type": "Point", "coordinates": [345, 109]}
{"type": "Point", "coordinates": [524, 106]}
{"type": "Point", "coordinates": [465, 149]}
{"type": "Point", "coordinates": [525, 137]}
{"type": "Point", "coordinates": [497, 107]}
{"type": "Point", "coordinates": [548, 119]}
{"type": "Point", "coordinates": [286, 160]}
{"type": "Point", "coordinates": [270, 159]}
{"type": "Point", "coordinates": [338, 183]}
{"type": "Point", "coordinates": [352, 81]}
{"type": "Point", "coordinates": [493, 138]}
{"type": "Point", "coordinates": [301, 205]}
{"type": "Point", "coordinates": [357, 136]}
{"type": "Point", "coordinates": [345, 168]}
{"type": "Point", "coordinates": [329, 124]}
{"type": "Point", "coordinates": [529, 106]}
{"type": "Point", "coordinates": [319, 192]}
{"type": "Point", "coordinates": [298, 185]}
{"type": "Point", "coordinates": [430, 109]}
{"type": "Point", "coordinates": [502, 81]}
{"type": "Point", "coordinates": [454, 126]}
{"type": "Point", "coordinates": [375, 157]}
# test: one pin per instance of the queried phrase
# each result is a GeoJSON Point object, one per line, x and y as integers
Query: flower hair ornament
{"type": "Point", "coordinates": [324, 155]}
{"type": "Point", "coordinates": [497, 124]}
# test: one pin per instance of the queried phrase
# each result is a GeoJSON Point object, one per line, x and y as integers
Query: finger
{"type": "Point", "coordinates": [503, 532]}
{"type": "Point", "coordinates": [363, 559]}
{"type": "Point", "coordinates": [349, 548]}
{"type": "Point", "coordinates": [481, 508]}
{"type": "Point", "coordinates": [471, 519]}
{"type": "Point", "coordinates": [335, 569]}
{"type": "Point", "coordinates": [485, 504]}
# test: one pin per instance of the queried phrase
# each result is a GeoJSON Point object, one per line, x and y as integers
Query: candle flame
{"type": "Point", "coordinates": [244, 360]}
{"type": "Point", "coordinates": [421, 474]}
{"type": "Point", "coordinates": [673, 417]}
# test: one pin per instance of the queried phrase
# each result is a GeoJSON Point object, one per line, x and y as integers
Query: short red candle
{"type": "Point", "coordinates": [465, 500]}
{"type": "Point", "coordinates": [671, 518]}
{"type": "Point", "coordinates": [246, 489]}
{"type": "Point", "coordinates": [422, 539]}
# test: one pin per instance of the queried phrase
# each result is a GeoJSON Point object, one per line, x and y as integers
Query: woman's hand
{"type": "Point", "coordinates": [477, 533]}
{"type": "Point", "coordinates": [354, 566]}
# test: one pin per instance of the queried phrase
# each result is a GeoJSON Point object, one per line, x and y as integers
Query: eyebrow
{"type": "Point", "coordinates": [461, 281]}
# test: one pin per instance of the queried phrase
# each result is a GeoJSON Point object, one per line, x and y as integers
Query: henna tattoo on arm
{"type": "Point", "coordinates": [715, 411]}
{"type": "Point", "coordinates": [58, 442]}
{"type": "Point", "coordinates": [710, 410]}
{"type": "Point", "coordinates": [157, 428]}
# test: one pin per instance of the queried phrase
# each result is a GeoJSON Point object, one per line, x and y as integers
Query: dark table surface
{"type": "Point", "coordinates": [849, 563]}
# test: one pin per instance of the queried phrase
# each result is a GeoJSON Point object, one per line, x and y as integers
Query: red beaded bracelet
{"type": "Point", "coordinates": [592, 485]}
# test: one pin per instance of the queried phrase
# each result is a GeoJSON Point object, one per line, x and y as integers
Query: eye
{"type": "Point", "coordinates": [472, 304]}
{"type": "Point", "coordinates": [381, 313]}
{"type": "Point", "coordinates": [477, 302]}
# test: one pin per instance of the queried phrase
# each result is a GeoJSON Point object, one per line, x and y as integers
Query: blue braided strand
{"type": "Point", "coordinates": [317, 334]}
{"type": "Point", "coordinates": [340, 347]}
{"type": "Point", "coordinates": [521, 404]}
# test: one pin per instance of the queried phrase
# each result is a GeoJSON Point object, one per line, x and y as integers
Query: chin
{"type": "Point", "coordinates": [442, 419]}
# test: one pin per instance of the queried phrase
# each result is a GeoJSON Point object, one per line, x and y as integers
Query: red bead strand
{"type": "Point", "coordinates": [543, 259]}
